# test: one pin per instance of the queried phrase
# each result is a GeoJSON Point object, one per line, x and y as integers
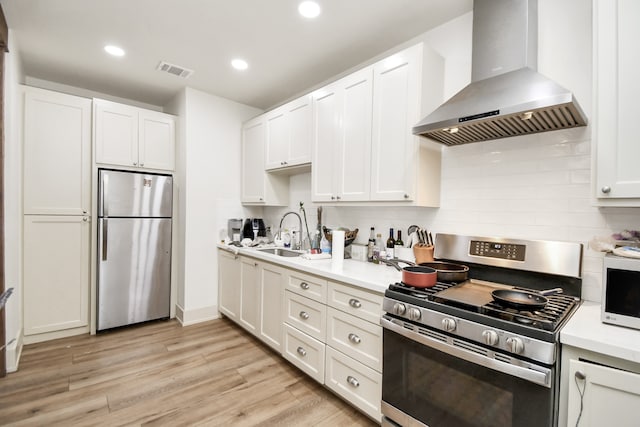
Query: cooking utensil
{"type": "Point", "coordinates": [523, 300]}
{"type": "Point", "coordinates": [411, 229]}
{"type": "Point", "coordinates": [414, 275]}
{"type": "Point", "coordinates": [448, 271]}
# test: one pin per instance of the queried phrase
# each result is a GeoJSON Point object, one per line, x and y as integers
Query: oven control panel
{"type": "Point", "coordinates": [508, 251]}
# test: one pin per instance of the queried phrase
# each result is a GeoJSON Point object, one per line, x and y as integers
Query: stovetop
{"type": "Point", "coordinates": [543, 323]}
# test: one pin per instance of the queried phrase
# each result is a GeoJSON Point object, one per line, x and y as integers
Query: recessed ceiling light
{"type": "Point", "coordinates": [114, 50]}
{"type": "Point", "coordinates": [309, 9]}
{"type": "Point", "coordinates": [239, 64]}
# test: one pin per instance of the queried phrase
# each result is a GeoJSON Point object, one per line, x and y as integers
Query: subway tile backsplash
{"type": "Point", "coordinates": [534, 187]}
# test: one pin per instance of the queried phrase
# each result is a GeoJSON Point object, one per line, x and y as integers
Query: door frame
{"type": "Point", "coordinates": [4, 47]}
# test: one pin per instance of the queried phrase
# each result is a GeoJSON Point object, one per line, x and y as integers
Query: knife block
{"type": "Point", "coordinates": [423, 253]}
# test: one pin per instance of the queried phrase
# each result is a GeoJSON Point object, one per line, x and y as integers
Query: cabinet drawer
{"type": "Point", "coordinates": [310, 286]}
{"type": "Point", "coordinates": [304, 352]}
{"type": "Point", "coordinates": [307, 315]}
{"type": "Point", "coordinates": [355, 337]}
{"type": "Point", "coordinates": [358, 384]}
{"type": "Point", "coordinates": [364, 304]}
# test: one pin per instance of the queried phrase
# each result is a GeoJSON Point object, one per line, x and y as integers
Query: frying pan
{"type": "Point", "coordinates": [523, 300]}
{"type": "Point", "coordinates": [448, 271]}
{"type": "Point", "coordinates": [415, 275]}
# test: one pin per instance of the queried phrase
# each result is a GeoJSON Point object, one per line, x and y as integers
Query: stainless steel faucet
{"type": "Point", "coordinates": [298, 244]}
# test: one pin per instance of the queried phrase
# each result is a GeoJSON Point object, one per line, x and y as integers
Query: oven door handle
{"type": "Point", "coordinates": [540, 375]}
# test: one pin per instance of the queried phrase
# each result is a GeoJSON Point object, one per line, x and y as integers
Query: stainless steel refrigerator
{"type": "Point", "coordinates": [134, 247]}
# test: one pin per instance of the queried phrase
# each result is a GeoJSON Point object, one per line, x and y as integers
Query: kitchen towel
{"type": "Point", "coordinates": [337, 244]}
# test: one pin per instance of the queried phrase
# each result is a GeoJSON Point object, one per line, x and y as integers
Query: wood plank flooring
{"type": "Point", "coordinates": [163, 374]}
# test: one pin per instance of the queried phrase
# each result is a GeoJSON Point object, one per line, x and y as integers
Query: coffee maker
{"type": "Point", "coordinates": [234, 229]}
{"type": "Point", "coordinates": [253, 227]}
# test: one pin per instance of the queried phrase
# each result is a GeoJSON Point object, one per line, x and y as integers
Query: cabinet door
{"type": "Point", "coordinates": [57, 153]}
{"type": "Point", "coordinates": [116, 133]}
{"type": "Point", "coordinates": [249, 295]}
{"type": "Point", "coordinates": [300, 130]}
{"type": "Point", "coordinates": [396, 107]}
{"type": "Point", "coordinates": [277, 139]}
{"type": "Point", "coordinates": [229, 284]}
{"type": "Point", "coordinates": [56, 273]}
{"type": "Point", "coordinates": [616, 69]}
{"type": "Point", "coordinates": [253, 175]}
{"type": "Point", "coordinates": [271, 296]}
{"type": "Point", "coordinates": [156, 145]}
{"type": "Point", "coordinates": [610, 396]}
{"type": "Point", "coordinates": [325, 144]}
{"type": "Point", "coordinates": [353, 163]}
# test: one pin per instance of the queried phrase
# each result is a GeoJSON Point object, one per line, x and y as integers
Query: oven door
{"type": "Point", "coordinates": [432, 379]}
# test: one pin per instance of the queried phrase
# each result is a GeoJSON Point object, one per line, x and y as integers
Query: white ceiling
{"type": "Point", "coordinates": [62, 41]}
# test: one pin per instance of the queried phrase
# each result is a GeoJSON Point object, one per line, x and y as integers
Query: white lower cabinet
{"type": "Point", "coordinates": [305, 352]}
{"type": "Point", "coordinates": [307, 315]}
{"type": "Point", "coordinates": [355, 382]}
{"type": "Point", "coordinates": [355, 337]}
{"type": "Point", "coordinates": [251, 294]}
{"type": "Point", "coordinates": [56, 273]}
{"type": "Point", "coordinates": [606, 396]}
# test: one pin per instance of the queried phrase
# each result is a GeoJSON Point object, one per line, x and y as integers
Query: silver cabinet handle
{"type": "Point", "coordinates": [304, 285]}
{"type": "Point", "coordinates": [355, 303]}
{"type": "Point", "coordinates": [304, 315]}
{"type": "Point", "coordinates": [85, 219]}
{"type": "Point", "coordinates": [354, 338]}
{"type": "Point", "coordinates": [301, 351]}
{"type": "Point", "coordinates": [135, 164]}
{"type": "Point", "coordinates": [353, 382]}
{"type": "Point", "coordinates": [606, 189]}
{"type": "Point", "coordinates": [333, 197]}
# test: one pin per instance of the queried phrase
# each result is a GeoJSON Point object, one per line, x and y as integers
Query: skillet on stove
{"type": "Point", "coordinates": [523, 300]}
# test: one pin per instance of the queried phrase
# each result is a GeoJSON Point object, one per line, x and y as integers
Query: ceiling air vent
{"type": "Point", "coordinates": [176, 70]}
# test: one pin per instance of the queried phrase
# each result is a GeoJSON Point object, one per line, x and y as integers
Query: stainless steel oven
{"type": "Point", "coordinates": [452, 356]}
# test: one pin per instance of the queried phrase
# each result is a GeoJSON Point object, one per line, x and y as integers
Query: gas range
{"type": "Point", "coordinates": [465, 339]}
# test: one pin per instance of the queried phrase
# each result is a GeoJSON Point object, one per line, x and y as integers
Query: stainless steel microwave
{"type": "Point", "coordinates": [621, 291]}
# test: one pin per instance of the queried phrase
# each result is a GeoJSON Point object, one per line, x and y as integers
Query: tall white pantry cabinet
{"type": "Point", "coordinates": [56, 203]}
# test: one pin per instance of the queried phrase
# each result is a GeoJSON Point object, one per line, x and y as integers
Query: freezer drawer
{"type": "Point", "coordinates": [134, 270]}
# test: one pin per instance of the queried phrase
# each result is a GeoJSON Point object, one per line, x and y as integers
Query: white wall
{"type": "Point", "coordinates": [13, 201]}
{"type": "Point", "coordinates": [536, 187]}
{"type": "Point", "coordinates": [209, 193]}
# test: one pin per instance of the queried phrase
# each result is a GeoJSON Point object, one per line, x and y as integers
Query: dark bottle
{"type": "Point", "coordinates": [391, 243]}
{"type": "Point", "coordinates": [371, 245]}
{"type": "Point", "coordinates": [399, 242]}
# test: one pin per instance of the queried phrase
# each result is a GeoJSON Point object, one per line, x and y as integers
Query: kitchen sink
{"type": "Point", "coordinates": [281, 252]}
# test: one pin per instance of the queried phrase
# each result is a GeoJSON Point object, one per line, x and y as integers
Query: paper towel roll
{"type": "Point", "coordinates": [337, 244]}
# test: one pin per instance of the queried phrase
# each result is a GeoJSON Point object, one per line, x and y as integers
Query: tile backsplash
{"type": "Point", "coordinates": [533, 187]}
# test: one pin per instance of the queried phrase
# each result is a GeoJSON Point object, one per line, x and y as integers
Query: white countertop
{"type": "Point", "coordinates": [585, 330]}
{"type": "Point", "coordinates": [374, 277]}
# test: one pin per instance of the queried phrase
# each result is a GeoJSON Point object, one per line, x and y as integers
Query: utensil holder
{"type": "Point", "coordinates": [423, 253]}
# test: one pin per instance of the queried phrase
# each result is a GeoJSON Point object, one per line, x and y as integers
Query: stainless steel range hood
{"type": "Point", "coordinates": [507, 96]}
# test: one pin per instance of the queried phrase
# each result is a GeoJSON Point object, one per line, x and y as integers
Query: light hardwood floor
{"type": "Point", "coordinates": [163, 374]}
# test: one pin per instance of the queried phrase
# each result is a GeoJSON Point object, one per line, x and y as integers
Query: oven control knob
{"type": "Point", "coordinates": [515, 345]}
{"type": "Point", "coordinates": [490, 337]}
{"type": "Point", "coordinates": [448, 324]}
{"type": "Point", "coordinates": [399, 309]}
{"type": "Point", "coordinates": [414, 314]}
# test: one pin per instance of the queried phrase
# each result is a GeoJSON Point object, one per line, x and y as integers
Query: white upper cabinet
{"type": "Point", "coordinates": [57, 153]}
{"type": "Point", "coordinates": [616, 91]}
{"type": "Point", "coordinates": [258, 186]}
{"type": "Point", "coordinates": [130, 136]}
{"type": "Point", "coordinates": [288, 139]}
{"type": "Point", "coordinates": [396, 108]}
{"type": "Point", "coordinates": [342, 139]}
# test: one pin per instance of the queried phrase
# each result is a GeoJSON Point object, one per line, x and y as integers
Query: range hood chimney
{"type": "Point", "coordinates": [507, 96]}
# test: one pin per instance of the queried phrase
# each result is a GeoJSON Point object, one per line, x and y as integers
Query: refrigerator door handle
{"type": "Point", "coordinates": [105, 227]}
{"type": "Point", "coordinates": [105, 195]}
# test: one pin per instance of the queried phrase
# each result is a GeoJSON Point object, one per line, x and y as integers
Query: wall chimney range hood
{"type": "Point", "coordinates": [507, 96]}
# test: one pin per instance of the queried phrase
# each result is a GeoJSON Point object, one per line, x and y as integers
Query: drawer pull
{"type": "Point", "coordinates": [304, 285]}
{"type": "Point", "coordinates": [354, 338]}
{"type": "Point", "coordinates": [353, 382]}
{"type": "Point", "coordinates": [301, 351]}
{"type": "Point", "coordinates": [304, 315]}
{"type": "Point", "coordinates": [355, 303]}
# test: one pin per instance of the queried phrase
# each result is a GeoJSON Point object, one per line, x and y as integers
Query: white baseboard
{"type": "Point", "coordinates": [13, 353]}
{"type": "Point", "coordinates": [191, 317]}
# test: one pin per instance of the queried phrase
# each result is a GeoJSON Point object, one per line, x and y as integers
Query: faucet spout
{"type": "Point", "coordinates": [298, 244]}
